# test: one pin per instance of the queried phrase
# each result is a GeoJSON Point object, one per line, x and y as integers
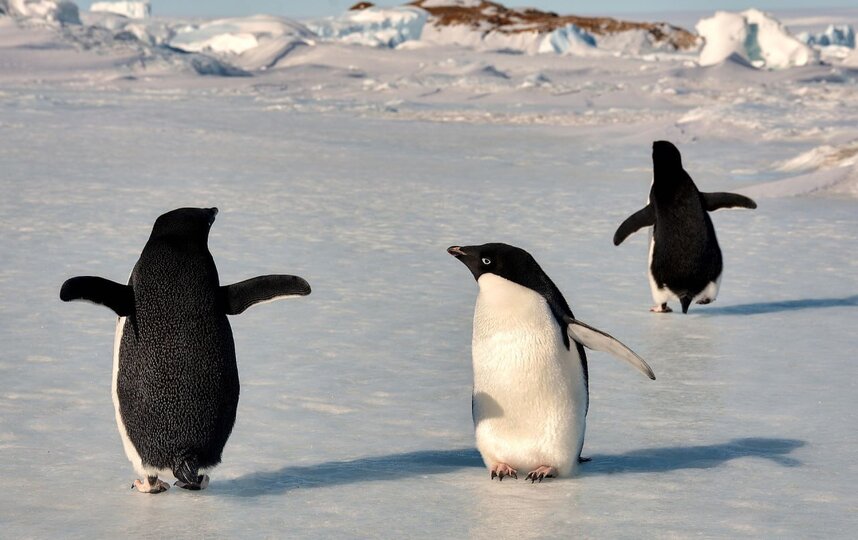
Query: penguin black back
{"type": "Point", "coordinates": [182, 340]}
{"type": "Point", "coordinates": [686, 254]}
{"type": "Point", "coordinates": [176, 381]}
{"type": "Point", "coordinates": [685, 259]}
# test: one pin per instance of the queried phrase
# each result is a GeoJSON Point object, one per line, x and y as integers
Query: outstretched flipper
{"type": "Point", "coordinates": [240, 296]}
{"type": "Point", "coordinates": [714, 201]}
{"type": "Point", "coordinates": [597, 340]}
{"type": "Point", "coordinates": [645, 217]}
{"type": "Point", "coordinates": [119, 298]}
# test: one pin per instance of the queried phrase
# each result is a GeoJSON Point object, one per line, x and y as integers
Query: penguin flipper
{"type": "Point", "coordinates": [645, 217]}
{"type": "Point", "coordinates": [240, 296]}
{"type": "Point", "coordinates": [715, 201]}
{"type": "Point", "coordinates": [119, 298]}
{"type": "Point", "coordinates": [597, 340]}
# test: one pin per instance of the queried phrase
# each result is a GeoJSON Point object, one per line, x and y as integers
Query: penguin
{"type": "Point", "coordinates": [175, 380]}
{"type": "Point", "coordinates": [531, 384]}
{"type": "Point", "coordinates": [684, 257]}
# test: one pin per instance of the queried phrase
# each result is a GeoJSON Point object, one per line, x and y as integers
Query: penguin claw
{"type": "Point", "coordinates": [663, 308]}
{"type": "Point", "coordinates": [151, 486]}
{"type": "Point", "coordinates": [541, 474]}
{"type": "Point", "coordinates": [502, 470]}
{"type": "Point", "coordinates": [201, 483]}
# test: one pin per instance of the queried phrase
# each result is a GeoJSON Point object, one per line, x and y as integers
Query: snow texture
{"type": "Point", "coordinates": [132, 10]}
{"type": "Point", "coordinates": [355, 167]}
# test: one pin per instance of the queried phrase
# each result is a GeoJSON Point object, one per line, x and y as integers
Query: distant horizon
{"type": "Point", "coordinates": [309, 9]}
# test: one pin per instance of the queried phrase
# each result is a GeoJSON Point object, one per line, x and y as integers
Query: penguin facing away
{"type": "Point", "coordinates": [684, 257]}
{"type": "Point", "coordinates": [175, 380]}
{"type": "Point", "coordinates": [531, 389]}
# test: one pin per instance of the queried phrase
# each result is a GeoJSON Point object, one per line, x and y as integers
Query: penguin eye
{"type": "Point", "coordinates": [487, 261]}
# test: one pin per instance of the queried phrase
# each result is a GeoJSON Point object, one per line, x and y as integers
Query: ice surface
{"type": "Point", "coordinates": [375, 27]}
{"type": "Point", "coordinates": [568, 40]}
{"type": "Point", "coordinates": [835, 35]}
{"type": "Point", "coordinates": [355, 167]}
{"type": "Point", "coordinates": [132, 10]}
{"type": "Point", "coordinates": [754, 35]}
{"type": "Point", "coordinates": [59, 11]}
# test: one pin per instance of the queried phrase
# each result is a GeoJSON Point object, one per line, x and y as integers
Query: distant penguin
{"type": "Point", "coordinates": [684, 258]}
{"type": "Point", "coordinates": [531, 391]}
{"type": "Point", "coordinates": [175, 379]}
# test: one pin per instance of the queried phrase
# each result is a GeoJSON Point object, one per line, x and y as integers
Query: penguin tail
{"type": "Point", "coordinates": [685, 301]}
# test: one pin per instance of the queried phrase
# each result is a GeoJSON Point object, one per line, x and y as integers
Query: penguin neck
{"type": "Point", "coordinates": [667, 181]}
{"type": "Point", "coordinates": [509, 304]}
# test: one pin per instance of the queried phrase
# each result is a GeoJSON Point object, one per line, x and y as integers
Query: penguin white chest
{"type": "Point", "coordinates": [530, 397]}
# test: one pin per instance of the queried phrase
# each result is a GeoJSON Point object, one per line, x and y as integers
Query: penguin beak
{"type": "Point", "coordinates": [456, 251]}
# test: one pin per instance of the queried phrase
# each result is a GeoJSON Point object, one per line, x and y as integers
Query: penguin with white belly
{"type": "Point", "coordinates": [175, 379]}
{"type": "Point", "coordinates": [531, 391]}
{"type": "Point", "coordinates": [684, 257]}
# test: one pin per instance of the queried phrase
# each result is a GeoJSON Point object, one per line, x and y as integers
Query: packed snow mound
{"type": "Point", "coordinates": [55, 11]}
{"type": "Point", "coordinates": [489, 25]}
{"type": "Point", "coordinates": [132, 10]}
{"type": "Point", "coordinates": [373, 26]}
{"type": "Point", "coordinates": [823, 157]}
{"type": "Point", "coordinates": [825, 169]}
{"type": "Point", "coordinates": [834, 36]}
{"type": "Point", "coordinates": [757, 37]}
{"type": "Point", "coordinates": [233, 37]}
{"type": "Point", "coordinates": [147, 31]}
{"type": "Point", "coordinates": [840, 181]}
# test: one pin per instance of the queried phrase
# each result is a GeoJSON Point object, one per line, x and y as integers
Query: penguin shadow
{"type": "Point", "coordinates": [336, 473]}
{"type": "Point", "coordinates": [785, 305]}
{"type": "Point", "coordinates": [673, 458]}
{"type": "Point", "coordinates": [429, 462]}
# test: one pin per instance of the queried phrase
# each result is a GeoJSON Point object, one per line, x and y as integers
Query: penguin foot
{"type": "Point", "coordinates": [541, 474]}
{"type": "Point", "coordinates": [500, 470]}
{"type": "Point", "coordinates": [704, 301]}
{"type": "Point", "coordinates": [663, 308]}
{"type": "Point", "coordinates": [151, 485]}
{"type": "Point", "coordinates": [582, 459]}
{"type": "Point", "coordinates": [201, 483]}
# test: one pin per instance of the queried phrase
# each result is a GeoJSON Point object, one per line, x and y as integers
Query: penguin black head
{"type": "Point", "coordinates": [509, 262]}
{"type": "Point", "coordinates": [665, 157]}
{"type": "Point", "coordinates": [518, 266]}
{"type": "Point", "coordinates": [191, 224]}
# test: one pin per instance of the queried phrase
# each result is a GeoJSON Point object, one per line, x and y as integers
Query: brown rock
{"type": "Point", "coordinates": [491, 16]}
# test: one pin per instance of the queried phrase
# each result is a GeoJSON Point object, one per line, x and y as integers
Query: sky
{"type": "Point", "coordinates": [317, 8]}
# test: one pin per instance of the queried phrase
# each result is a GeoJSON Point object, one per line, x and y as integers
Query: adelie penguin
{"type": "Point", "coordinates": [531, 391]}
{"type": "Point", "coordinates": [684, 257]}
{"type": "Point", "coordinates": [175, 379]}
